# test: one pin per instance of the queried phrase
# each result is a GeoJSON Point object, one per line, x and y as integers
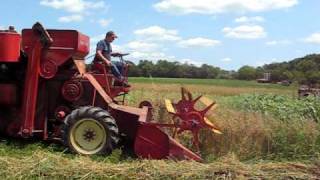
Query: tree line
{"type": "Point", "coordinates": [304, 70]}
{"type": "Point", "coordinates": [164, 68]}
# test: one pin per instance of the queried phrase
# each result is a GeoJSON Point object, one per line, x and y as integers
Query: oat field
{"type": "Point", "coordinates": [267, 134]}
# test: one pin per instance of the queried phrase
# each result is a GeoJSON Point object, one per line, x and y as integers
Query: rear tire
{"type": "Point", "coordinates": [90, 130]}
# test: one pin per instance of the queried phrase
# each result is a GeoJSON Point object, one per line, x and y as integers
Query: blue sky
{"type": "Point", "coordinates": [223, 33]}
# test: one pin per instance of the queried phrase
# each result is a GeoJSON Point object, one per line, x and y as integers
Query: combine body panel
{"type": "Point", "coordinates": [66, 44]}
{"type": "Point", "coordinates": [47, 92]}
{"type": "Point", "coordinates": [9, 46]}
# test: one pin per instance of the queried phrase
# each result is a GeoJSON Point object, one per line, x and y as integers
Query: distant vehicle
{"type": "Point", "coordinates": [308, 90]}
{"type": "Point", "coordinates": [285, 82]}
{"type": "Point", "coordinates": [266, 78]}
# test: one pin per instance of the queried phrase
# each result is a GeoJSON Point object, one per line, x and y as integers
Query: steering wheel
{"type": "Point", "coordinates": [119, 54]}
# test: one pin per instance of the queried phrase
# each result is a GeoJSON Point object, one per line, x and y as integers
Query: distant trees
{"type": "Point", "coordinates": [303, 70]}
{"type": "Point", "coordinates": [163, 68]}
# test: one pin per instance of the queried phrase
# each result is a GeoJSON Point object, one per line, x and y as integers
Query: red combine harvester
{"type": "Point", "coordinates": [46, 92]}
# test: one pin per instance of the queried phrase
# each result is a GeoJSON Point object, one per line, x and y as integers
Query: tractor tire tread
{"type": "Point", "coordinates": [98, 114]}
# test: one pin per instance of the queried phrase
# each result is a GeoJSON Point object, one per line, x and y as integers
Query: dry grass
{"type": "Point", "coordinates": [45, 165]}
{"type": "Point", "coordinates": [253, 136]}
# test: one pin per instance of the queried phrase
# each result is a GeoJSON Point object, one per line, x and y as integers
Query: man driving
{"type": "Point", "coordinates": [104, 53]}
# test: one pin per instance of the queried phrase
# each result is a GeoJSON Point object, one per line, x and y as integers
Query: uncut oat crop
{"type": "Point", "coordinates": [271, 125]}
{"type": "Point", "coordinates": [284, 108]}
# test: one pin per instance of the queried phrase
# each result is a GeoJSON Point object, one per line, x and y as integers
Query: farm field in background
{"type": "Point", "coordinates": [267, 133]}
{"type": "Point", "coordinates": [216, 87]}
{"type": "Point", "coordinates": [214, 82]}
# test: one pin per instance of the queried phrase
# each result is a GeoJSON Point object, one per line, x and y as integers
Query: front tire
{"type": "Point", "coordinates": [90, 130]}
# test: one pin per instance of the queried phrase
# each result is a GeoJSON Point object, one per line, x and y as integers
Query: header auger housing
{"type": "Point", "coordinates": [46, 92]}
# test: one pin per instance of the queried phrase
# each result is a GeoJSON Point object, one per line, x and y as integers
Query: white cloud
{"type": "Point", "coordinates": [199, 42]}
{"type": "Point", "coordinates": [245, 32]}
{"type": "Point", "coordinates": [154, 56]}
{"type": "Point", "coordinates": [145, 50]}
{"type": "Point", "coordinates": [118, 48]}
{"type": "Point", "coordinates": [153, 52]}
{"type": "Point", "coordinates": [278, 42]}
{"type": "Point", "coordinates": [73, 6]}
{"type": "Point", "coordinates": [218, 6]}
{"type": "Point", "coordinates": [191, 61]}
{"type": "Point", "coordinates": [157, 33]}
{"type": "Point", "coordinates": [142, 46]}
{"type": "Point", "coordinates": [313, 38]}
{"type": "Point", "coordinates": [152, 41]}
{"type": "Point", "coordinates": [149, 45]}
{"type": "Point", "coordinates": [227, 59]}
{"type": "Point", "coordinates": [71, 18]}
{"type": "Point", "coordinates": [245, 19]}
{"type": "Point", "coordinates": [104, 22]}
{"type": "Point", "coordinates": [2, 28]}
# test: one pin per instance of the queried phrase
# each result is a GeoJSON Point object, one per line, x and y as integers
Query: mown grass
{"type": "Point", "coordinates": [46, 163]}
{"type": "Point", "coordinates": [254, 144]}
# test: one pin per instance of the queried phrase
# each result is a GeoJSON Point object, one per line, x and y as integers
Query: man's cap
{"type": "Point", "coordinates": [111, 33]}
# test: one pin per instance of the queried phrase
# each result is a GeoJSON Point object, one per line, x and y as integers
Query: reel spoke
{"type": "Point", "coordinates": [191, 119]}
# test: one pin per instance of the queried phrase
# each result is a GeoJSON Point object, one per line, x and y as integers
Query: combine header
{"type": "Point", "coordinates": [46, 92]}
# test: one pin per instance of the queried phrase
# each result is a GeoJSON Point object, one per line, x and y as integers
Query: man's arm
{"type": "Point", "coordinates": [101, 57]}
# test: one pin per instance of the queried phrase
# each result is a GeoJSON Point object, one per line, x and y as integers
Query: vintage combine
{"type": "Point", "coordinates": [46, 92]}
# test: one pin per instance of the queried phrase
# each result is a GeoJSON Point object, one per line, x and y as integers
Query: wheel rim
{"type": "Point", "coordinates": [88, 136]}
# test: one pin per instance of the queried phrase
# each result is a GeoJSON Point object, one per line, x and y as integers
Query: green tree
{"type": "Point", "coordinates": [146, 68]}
{"type": "Point", "coordinates": [247, 73]}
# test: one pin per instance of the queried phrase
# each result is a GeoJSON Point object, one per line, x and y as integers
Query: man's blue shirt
{"type": "Point", "coordinates": [105, 48]}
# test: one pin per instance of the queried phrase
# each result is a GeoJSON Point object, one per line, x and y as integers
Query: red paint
{"type": "Point", "coordinates": [153, 143]}
{"type": "Point", "coordinates": [66, 44]}
{"type": "Point", "coordinates": [9, 46]}
{"type": "Point", "coordinates": [31, 89]}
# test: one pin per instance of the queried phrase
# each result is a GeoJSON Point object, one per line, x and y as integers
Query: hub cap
{"type": "Point", "coordinates": [88, 136]}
